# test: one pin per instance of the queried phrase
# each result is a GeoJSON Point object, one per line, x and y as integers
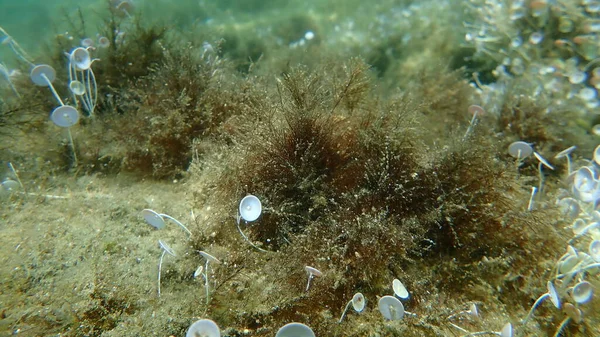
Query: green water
{"type": "Point", "coordinates": [352, 121]}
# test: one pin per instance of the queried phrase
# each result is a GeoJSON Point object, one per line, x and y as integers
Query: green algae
{"type": "Point", "coordinates": [362, 165]}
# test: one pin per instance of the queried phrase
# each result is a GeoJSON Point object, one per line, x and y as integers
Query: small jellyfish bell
{"type": "Point", "coordinates": [475, 109]}
{"type": "Point", "coordinates": [358, 302]}
{"type": "Point", "coordinates": [123, 8]}
{"type": "Point", "coordinates": [564, 263]}
{"type": "Point", "coordinates": [80, 58]}
{"type": "Point", "coordinates": [10, 185]}
{"type": "Point", "coordinates": [552, 294]}
{"type": "Point", "coordinates": [77, 87]}
{"type": "Point", "coordinates": [587, 191]}
{"type": "Point", "coordinates": [571, 251]}
{"type": "Point", "coordinates": [538, 7]}
{"type": "Point", "coordinates": [250, 208]}
{"type": "Point", "coordinates": [567, 264]}
{"type": "Point", "coordinates": [103, 42]}
{"type": "Point", "coordinates": [517, 11]}
{"type": "Point", "coordinates": [516, 42]}
{"type": "Point", "coordinates": [592, 228]}
{"type": "Point", "coordinates": [157, 220]}
{"type": "Point", "coordinates": [582, 292]}
{"type": "Point", "coordinates": [554, 298]}
{"type": "Point", "coordinates": [543, 160]}
{"type": "Point", "coordinates": [203, 328]}
{"type": "Point", "coordinates": [507, 331]}
{"type": "Point", "coordinates": [42, 75]}
{"type": "Point", "coordinates": [573, 312]}
{"type": "Point", "coordinates": [596, 155]}
{"type": "Point", "coordinates": [536, 38]}
{"type": "Point", "coordinates": [578, 226]}
{"type": "Point", "coordinates": [587, 94]}
{"type": "Point", "coordinates": [199, 271]}
{"type": "Point", "coordinates": [473, 310]}
{"type": "Point", "coordinates": [566, 154]}
{"type": "Point", "coordinates": [294, 330]}
{"type": "Point", "coordinates": [65, 116]}
{"type": "Point", "coordinates": [399, 289]}
{"type": "Point", "coordinates": [87, 42]}
{"type": "Point", "coordinates": [577, 77]}
{"type": "Point", "coordinates": [208, 257]}
{"type": "Point", "coordinates": [154, 219]}
{"type": "Point", "coordinates": [584, 179]}
{"type": "Point", "coordinates": [594, 250]}
{"type": "Point", "coordinates": [520, 150]}
{"type": "Point", "coordinates": [569, 207]}
{"type": "Point", "coordinates": [391, 308]}
{"type": "Point", "coordinates": [312, 273]}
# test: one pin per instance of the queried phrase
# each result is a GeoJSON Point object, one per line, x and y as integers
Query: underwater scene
{"type": "Point", "coordinates": [299, 168]}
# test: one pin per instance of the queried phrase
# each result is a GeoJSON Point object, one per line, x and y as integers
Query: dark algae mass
{"type": "Point", "coordinates": [326, 168]}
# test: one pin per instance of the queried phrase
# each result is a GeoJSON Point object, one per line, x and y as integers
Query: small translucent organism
{"type": "Point", "coordinates": [594, 250]}
{"type": "Point", "coordinates": [103, 42]}
{"type": "Point", "coordinates": [582, 292]}
{"type": "Point", "coordinates": [566, 154]}
{"type": "Point", "coordinates": [249, 210]}
{"type": "Point", "coordinates": [157, 220]}
{"type": "Point", "coordinates": [358, 303]}
{"type": "Point", "coordinates": [475, 110]}
{"type": "Point", "coordinates": [80, 70]}
{"type": "Point", "coordinates": [295, 330]}
{"type": "Point", "coordinates": [391, 308]}
{"type": "Point", "coordinates": [166, 249]}
{"type": "Point", "coordinates": [520, 150]}
{"type": "Point", "coordinates": [312, 273]}
{"type": "Point", "coordinates": [8, 75]}
{"type": "Point", "coordinates": [399, 289]}
{"type": "Point", "coordinates": [203, 328]}
{"type": "Point", "coordinates": [552, 294]}
{"type": "Point", "coordinates": [209, 258]}
{"type": "Point", "coordinates": [87, 42]}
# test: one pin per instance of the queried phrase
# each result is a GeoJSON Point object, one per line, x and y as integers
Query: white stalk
{"type": "Point", "coordinates": [345, 310]}
{"type": "Point", "coordinates": [159, 269]}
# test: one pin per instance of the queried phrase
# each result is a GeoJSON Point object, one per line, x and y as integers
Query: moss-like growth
{"type": "Point", "coordinates": [108, 305]}
{"type": "Point", "coordinates": [358, 196]}
{"type": "Point", "coordinates": [365, 178]}
{"type": "Point", "coordinates": [183, 99]}
{"type": "Point", "coordinates": [242, 49]}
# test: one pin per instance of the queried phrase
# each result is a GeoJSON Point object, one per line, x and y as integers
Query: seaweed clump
{"type": "Point", "coordinates": [350, 187]}
{"type": "Point", "coordinates": [183, 99]}
{"type": "Point", "coordinates": [132, 54]}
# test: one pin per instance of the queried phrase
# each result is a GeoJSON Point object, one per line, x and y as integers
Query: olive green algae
{"type": "Point", "coordinates": [358, 143]}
